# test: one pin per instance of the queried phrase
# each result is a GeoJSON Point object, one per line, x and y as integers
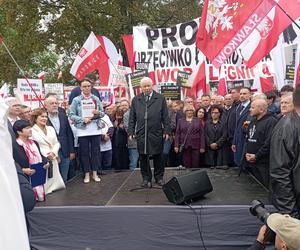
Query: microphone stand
{"type": "Point", "coordinates": [149, 185]}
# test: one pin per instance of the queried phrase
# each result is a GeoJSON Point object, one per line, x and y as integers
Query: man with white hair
{"type": "Point", "coordinates": [257, 145]}
{"type": "Point", "coordinates": [58, 119]}
{"type": "Point", "coordinates": [286, 104]}
{"type": "Point", "coordinates": [14, 110]}
{"type": "Point", "coordinates": [149, 122]}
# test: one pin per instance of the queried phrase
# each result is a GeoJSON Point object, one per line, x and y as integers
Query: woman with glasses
{"type": "Point", "coordinates": [189, 139]}
{"type": "Point", "coordinates": [215, 138]}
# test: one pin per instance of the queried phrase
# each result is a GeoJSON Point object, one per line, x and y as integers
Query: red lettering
{"type": "Point", "coordinates": [163, 75]}
{"type": "Point", "coordinates": [240, 72]}
{"type": "Point", "coordinates": [231, 73]}
{"type": "Point", "coordinates": [173, 72]}
{"type": "Point", "coordinates": [212, 77]}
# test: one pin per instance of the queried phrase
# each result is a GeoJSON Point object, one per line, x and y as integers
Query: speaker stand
{"type": "Point", "coordinates": [149, 186]}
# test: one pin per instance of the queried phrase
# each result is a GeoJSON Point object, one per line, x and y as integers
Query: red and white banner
{"type": "Point", "coordinates": [168, 50]}
{"type": "Point", "coordinates": [226, 24]}
{"type": "Point", "coordinates": [265, 37]}
{"type": "Point", "coordinates": [90, 57]}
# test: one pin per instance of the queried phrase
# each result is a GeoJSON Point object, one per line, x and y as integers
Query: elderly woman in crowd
{"type": "Point", "coordinates": [26, 152]}
{"type": "Point", "coordinates": [189, 139]}
{"type": "Point", "coordinates": [46, 138]}
{"type": "Point", "coordinates": [215, 137]}
{"type": "Point", "coordinates": [86, 111]}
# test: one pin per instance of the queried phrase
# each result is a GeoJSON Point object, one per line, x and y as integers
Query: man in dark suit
{"type": "Point", "coordinates": [58, 119]}
{"type": "Point", "coordinates": [157, 129]}
{"type": "Point", "coordinates": [242, 119]}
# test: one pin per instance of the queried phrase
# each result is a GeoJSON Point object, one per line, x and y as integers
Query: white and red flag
{"type": "Point", "coordinates": [109, 50]}
{"type": "Point", "coordinates": [89, 58]}
{"type": "Point", "coordinates": [225, 24]}
{"type": "Point", "coordinates": [42, 75]}
{"type": "Point", "coordinates": [198, 79]}
{"type": "Point", "coordinates": [222, 86]}
{"type": "Point", "coordinates": [265, 37]}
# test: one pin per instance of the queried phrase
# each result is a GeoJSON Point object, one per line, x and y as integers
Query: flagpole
{"type": "Point", "coordinates": [22, 72]}
{"type": "Point", "coordinates": [287, 14]}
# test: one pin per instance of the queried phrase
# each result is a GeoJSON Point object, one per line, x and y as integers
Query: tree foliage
{"type": "Point", "coordinates": [47, 34]}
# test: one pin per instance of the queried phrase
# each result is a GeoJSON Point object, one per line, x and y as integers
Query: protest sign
{"type": "Point", "coordinates": [28, 96]}
{"type": "Point", "coordinates": [56, 88]}
{"type": "Point", "coordinates": [171, 92]}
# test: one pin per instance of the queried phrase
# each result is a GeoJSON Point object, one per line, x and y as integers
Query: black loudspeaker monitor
{"type": "Point", "coordinates": [186, 187]}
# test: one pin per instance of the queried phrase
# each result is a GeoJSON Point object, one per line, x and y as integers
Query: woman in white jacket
{"type": "Point", "coordinates": [46, 137]}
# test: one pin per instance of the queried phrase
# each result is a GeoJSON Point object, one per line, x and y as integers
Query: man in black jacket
{"type": "Point", "coordinates": [258, 137]}
{"type": "Point", "coordinates": [157, 129]}
{"type": "Point", "coordinates": [285, 161]}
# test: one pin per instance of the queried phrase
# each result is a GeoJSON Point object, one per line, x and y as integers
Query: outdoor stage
{"type": "Point", "coordinates": [107, 215]}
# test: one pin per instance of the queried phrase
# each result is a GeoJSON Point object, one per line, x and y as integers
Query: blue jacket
{"type": "Point", "coordinates": [75, 111]}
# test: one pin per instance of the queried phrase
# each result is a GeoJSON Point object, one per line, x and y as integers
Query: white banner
{"type": "Point", "coordinates": [168, 50]}
{"type": "Point", "coordinates": [26, 93]}
{"type": "Point", "coordinates": [56, 88]}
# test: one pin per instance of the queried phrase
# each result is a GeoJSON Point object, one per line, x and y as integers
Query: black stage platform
{"type": "Point", "coordinates": [107, 215]}
{"type": "Point", "coordinates": [114, 189]}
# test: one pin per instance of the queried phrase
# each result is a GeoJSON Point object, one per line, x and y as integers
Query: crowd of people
{"type": "Point", "coordinates": [253, 132]}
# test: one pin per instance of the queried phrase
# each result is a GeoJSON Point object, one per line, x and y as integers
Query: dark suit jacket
{"type": "Point", "coordinates": [240, 133]}
{"type": "Point", "coordinates": [158, 122]}
{"type": "Point", "coordinates": [65, 135]}
{"type": "Point", "coordinates": [20, 156]}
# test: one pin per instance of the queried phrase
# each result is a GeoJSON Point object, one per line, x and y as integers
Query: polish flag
{"type": "Point", "coordinates": [264, 80]}
{"type": "Point", "coordinates": [222, 88]}
{"type": "Point", "coordinates": [4, 91]}
{"type": "Point", "coordinates": [89, 58]}
{"type": "Point", "coordinates": [128, 42]}
{"type": "Point", "coordinates": [42, 75]}
{"type": "Point", "coordinates": [265, 37]}
{"type": "Point", "coordinates": [198, 79]}
{"type": "Point", "coordinates": [226, 24]}
{"type": "Point", "coordinates": [109, 50]}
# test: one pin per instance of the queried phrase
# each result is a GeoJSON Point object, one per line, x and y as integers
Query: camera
{"type": "Point", "coordinates": [258, 209]}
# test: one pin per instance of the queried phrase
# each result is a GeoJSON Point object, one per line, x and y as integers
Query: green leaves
{"type": "Point", "coordinates": [47, 34]}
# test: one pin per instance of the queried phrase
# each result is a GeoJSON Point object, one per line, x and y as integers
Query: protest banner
{"type": "Point", "coordinates": [117, 76]}
{"type": "Point", "coordinates": [171, 92]}
{"type": "Point", "coordinates": [183, 79]}
{"type": "Point", "coordinates": [26, 93]}
{"type": "Point", "coordinates": [167, 50]}
{"type": "Point", "coordinates": [56, 88]}
{"type": "Point", "coordinates": [106, 94]}
{"type": "Point", "coordinates": [134, 80]}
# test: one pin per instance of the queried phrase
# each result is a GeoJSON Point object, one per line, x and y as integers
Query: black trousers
{"type": "Point", "coordinates": [89, 152]}
{"type": "Point", "coordinates": [159, 168]}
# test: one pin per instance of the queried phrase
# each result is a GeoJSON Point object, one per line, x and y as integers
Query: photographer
{"type": "Point", "coordinates": [287, 231]}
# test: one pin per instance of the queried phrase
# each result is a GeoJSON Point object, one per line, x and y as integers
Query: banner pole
{"type": "Point", "coordinates": [23, 73]}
